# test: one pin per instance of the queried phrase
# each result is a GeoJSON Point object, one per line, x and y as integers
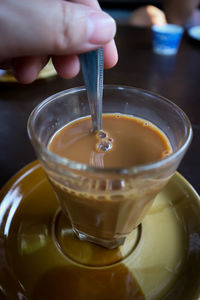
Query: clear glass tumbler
{"type": "Point", "coordinates": [105, 204]}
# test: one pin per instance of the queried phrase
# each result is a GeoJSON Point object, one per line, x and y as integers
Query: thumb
{"type": "Point", "coordinates": [49, 27]}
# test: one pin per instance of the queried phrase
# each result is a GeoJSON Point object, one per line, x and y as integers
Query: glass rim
{"type": "Point", "coordinates": [73, 165]}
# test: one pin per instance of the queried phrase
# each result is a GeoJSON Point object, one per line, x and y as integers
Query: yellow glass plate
{"type": "Point", "coordinates": [42, 259]}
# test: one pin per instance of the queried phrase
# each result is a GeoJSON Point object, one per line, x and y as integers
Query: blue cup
{"type": "Point", "coordinates": [166, 38]}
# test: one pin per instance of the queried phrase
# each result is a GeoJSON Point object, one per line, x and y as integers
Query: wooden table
{"type": "Point", "coordinates": [177, 78]}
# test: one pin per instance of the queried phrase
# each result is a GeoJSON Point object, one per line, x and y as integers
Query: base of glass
{"type": "Point", "coordinates": [109, 244]}
{"type": "Point", "coordinates": [87, 250]}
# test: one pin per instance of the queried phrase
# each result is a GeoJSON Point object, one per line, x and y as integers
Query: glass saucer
{"type": "Point", "coordinates": [42, 259]}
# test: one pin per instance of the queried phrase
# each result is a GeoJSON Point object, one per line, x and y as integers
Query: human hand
{"type": "Point", "coordinates": [34, 31]}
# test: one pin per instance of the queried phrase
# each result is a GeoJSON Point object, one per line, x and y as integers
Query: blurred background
{"type": "Point", "coordinates": [121, 10]}
{"type": "Point", "coordinates": [144, 13]}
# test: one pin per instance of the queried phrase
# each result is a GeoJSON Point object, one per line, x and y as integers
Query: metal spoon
{"type": "Point", "coordinates": [92, 69]}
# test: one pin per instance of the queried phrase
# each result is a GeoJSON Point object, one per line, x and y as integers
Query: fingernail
{"type": "Point", "coordinates": [101, 28]}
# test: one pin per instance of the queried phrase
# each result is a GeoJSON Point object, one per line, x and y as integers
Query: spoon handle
{"type": "Point", "coordinates": [92, 69]}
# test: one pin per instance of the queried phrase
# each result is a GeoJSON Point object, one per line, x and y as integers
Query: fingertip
{"type": "Point", "coordinates": [26, 69]}
{"type": "Point", "coordinates": [110, 55]}
{"type": "Point", "coordinates": [67, 66]}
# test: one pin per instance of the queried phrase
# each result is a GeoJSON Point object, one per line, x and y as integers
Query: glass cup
{"type": "Point", "coordinates": [105, 204]}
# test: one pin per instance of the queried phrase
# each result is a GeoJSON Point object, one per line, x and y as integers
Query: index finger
{"type": "Point", "coordinates": [110, 49]}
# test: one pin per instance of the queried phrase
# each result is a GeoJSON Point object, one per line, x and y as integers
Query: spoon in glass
{"type": "Point", "coordinates": [92, 69]}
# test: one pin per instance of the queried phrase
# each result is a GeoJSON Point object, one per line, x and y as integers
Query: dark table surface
{"type": "Point", "coordinates": [177, 78]}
